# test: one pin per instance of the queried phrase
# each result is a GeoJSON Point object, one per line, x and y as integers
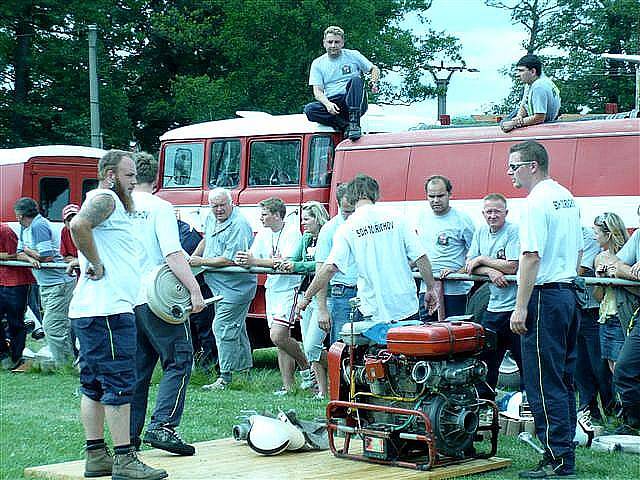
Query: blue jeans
{"type": "Point", "coordinates": [627, 376]}
{"type": "Point", "coordinates": [353, 99]}
{"type": "Point", "coordinates": [171, 344]}
{"type": "Point", "coordinates": [339, 308]}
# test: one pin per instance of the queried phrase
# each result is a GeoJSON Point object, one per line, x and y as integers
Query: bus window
{"type": "Point", "coordinates": [275, 163]}
{"type": "Point", "coordinates": [224, 167]}
{"type": "Point", "coordinates": [183, 165]}
{"type": "Point", "coordinates": [54, 196]}
{"type": "Point", "coordinates": [88, 184]}
{"type": "Point", "coordinates": [320, 161]}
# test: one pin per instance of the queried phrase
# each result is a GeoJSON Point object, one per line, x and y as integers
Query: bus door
{"type": "Point", "coordinates": [55, 185]}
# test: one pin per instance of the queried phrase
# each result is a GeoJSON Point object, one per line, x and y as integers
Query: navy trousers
{"type": "Point", "coordinates": [353, 99]}
{"type": "Point", "coordinates": [453, 305]}
{"type": "Point", "coordinates": [13, 303]}
{"type": "Point", "coordinates": [171, 344]}
{"type": "Point", "coordinates": [627, 376]}
{"type": "Point", "coordinates": [499, 322]}
{"type": "Point", "coordinates": [549, 361]}
{"type": "Point", "coordinates": [592, 375]}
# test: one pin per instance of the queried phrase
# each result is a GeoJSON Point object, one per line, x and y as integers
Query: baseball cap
{"type": "Point", "coordinates": [70, 209]}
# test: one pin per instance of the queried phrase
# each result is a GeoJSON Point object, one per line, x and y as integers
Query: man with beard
{"type": "Point", "coordinates": [336, 78]}
{"type": "Point", "coordinates": [102, 318]}
{"type": "Point", "coordinates": [545, 314]}
{"type": "Point", "coordinates": [157, 231]}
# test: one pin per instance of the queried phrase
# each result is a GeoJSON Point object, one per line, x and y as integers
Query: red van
{"type": "Point", "coordinates": [53, 175]}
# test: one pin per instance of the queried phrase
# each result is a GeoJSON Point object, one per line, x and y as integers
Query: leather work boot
{"type": "Point", "coordinates": [99, 462]}
{"type": "Point", "coordinates": [129, 467]}
{"type": "Point", "coordinates": [354, 125]}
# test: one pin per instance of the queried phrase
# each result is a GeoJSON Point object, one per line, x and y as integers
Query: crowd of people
{"type": "Point", "coordinates": [122, 232]}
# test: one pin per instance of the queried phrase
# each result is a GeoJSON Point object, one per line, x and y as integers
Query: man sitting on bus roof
{"type": "Point", "coordinates": [338, 86]}
{"type": "Point", "coordinates": [541, 100]}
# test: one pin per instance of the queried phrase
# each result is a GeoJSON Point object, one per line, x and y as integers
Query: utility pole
{"type": "Point", "coordinates": [635, 59]}
{"type": "Point", "coordinates": [442, 83]}
{"type": "Point", "coordinates": [94, 102]}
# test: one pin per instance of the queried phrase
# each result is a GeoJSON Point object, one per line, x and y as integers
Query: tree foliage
{"type": "Point", "coordinates": [165, 63]}
{"type": "Point", "coordinates": [581, 30]}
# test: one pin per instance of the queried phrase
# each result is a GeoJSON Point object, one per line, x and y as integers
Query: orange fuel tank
{"type": "Point", "coordinates": [439, 339]}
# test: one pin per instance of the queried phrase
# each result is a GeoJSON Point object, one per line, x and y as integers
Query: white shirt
{"type": "Point", "coordinates": [269, 244]}
{"type": "Point", "coordinates": [550, 225]}
{"type": "Point", "coordinates": [117, 291]}
{"type": "Point", "coordinates": [156, 228]}
{"type": "Point", "coordinates": [381, 244]}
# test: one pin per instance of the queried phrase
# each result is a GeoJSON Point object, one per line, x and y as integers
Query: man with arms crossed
{"type": "Point", "coordinates": [381, 244]}
{"type": "Point", "coordinates": [227, 232]}
{"type": "Point", "coordinates": [336, 78]}
{"type": "Point", "coordinates": [157, 231]}
{"type": "Point", "coordinates": [102, 318]}
{"type": "Point", "coordinates": [545, 314]}
{"type": "Point", "coordinates": [494, 252]}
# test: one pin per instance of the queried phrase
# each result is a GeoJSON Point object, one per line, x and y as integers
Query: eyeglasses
{"type": "Point", "coordinates": [515, 166]}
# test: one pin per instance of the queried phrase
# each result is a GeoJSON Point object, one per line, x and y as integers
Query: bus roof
{"type": "Point", "coordinates": [484, 134]}
{"type": "Point", "coordinates": [22, 155]}
{"type": "Point", "coordinates": [264, 124]}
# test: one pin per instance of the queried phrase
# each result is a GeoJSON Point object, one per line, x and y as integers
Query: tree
{"type": "Point", "coordinates": [582, 30]}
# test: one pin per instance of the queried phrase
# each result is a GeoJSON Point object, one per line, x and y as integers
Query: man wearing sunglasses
{"type": "Point", "coordinates": [541, 100]}
{"type": "Point", "coordinates": [546, 315]}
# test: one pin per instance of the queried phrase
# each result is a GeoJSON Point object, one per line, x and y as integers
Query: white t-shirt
{"type": "Point", "coordinates": [381, 244]}
{"type": "Point", "coordinates": [269, 244]}
{"type": "Point", "coordinates": [156, 228]}
{"type": "Point", "coordinates": [117, 291]}
{"type": "Point", "coordinates": [550, 225]}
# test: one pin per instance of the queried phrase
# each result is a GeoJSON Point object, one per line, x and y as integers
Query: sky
{"type": "Point", "coordinates": [489, 42]}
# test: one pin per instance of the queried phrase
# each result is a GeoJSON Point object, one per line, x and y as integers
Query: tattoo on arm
{"type": "Point", "coordinates": [97, 209]}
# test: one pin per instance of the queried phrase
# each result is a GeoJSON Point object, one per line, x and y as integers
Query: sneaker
{"type": "Point", "coordinates": [308, 379]}
{"type": "Point", "coordinates": [219, 384]}
{"type": "Point", "coordinates": [318, 396]}
{"type": "Point", "coordinates": [29, 325]}
{"type": "Point", "coordinates": [165, 438]}
{"type": "Point", "coordinates": [546, 469]}
{"type": "Point", "coordinates": [99, 462]}
{"type": "Point", "coordinates": [282, 392]}
{"type": "Point", "coordinates": [129, 467]}
{"type": "Point", "coordinates": [37, 334]}
{"type": "Point", "coordinates": [20, 367]}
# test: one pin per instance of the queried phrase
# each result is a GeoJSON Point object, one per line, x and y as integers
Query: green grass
{"type": "Point", "coordinates": [39, 421]}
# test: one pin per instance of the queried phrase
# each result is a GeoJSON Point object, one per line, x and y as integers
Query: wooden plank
{"type": "Point", "coordinates": [228, 459]}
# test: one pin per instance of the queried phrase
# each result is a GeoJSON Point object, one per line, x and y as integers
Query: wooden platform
{"type": "Point", "coordinates": [228, 459]}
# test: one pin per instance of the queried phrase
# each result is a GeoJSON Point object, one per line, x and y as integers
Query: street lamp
{"type": "Point", "coordinates": [631, 59]}
{"type": "Point", "coordinates": [442, 83]}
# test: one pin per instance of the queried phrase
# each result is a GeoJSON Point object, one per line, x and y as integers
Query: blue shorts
{"type": "Point", "coordinates": [107, 357]}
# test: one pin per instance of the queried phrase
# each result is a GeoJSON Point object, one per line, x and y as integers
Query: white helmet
{"type": "Point", "coordinates": [267, 436]}
{"type": "Point", "coordinates": [296, 437]}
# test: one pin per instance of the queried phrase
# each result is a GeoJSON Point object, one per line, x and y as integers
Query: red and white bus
{"type": "Point", "coordinates": [286, 156]}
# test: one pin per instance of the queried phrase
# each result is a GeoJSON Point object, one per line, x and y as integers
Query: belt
{"type": "Point", "coordinates": [556, 285]}
{"type": "Point", "coordinates": [342, 285]}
